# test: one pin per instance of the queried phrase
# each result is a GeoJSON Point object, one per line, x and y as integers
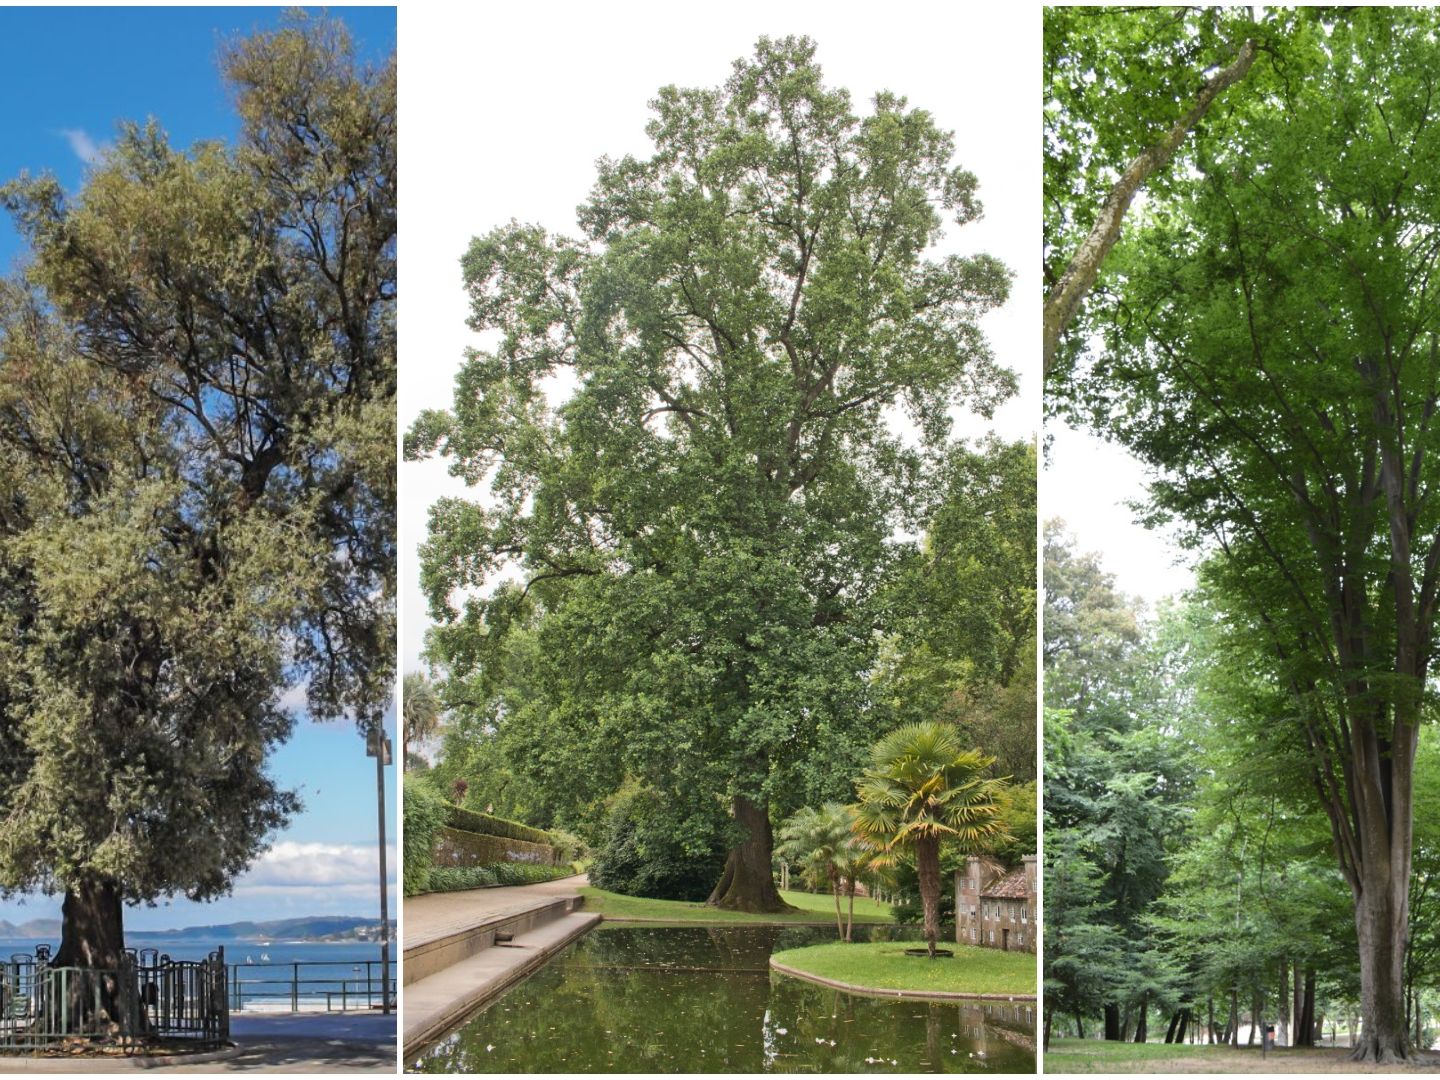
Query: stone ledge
{"type": "Point", "coordinates": [876, 991]}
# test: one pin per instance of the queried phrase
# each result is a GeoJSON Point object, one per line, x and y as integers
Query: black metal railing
{"type": "Point", "coordinates": [332, 985]}
{"type": "Point", "coordinates": [149, 999]}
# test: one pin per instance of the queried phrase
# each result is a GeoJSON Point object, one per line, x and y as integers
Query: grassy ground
{"type": "Point", "coordinates": [1097, 1056]}
{"type": "Point", "coordinates": [884, 966]}
{"type": "Point", "coordinates": [812, 908]}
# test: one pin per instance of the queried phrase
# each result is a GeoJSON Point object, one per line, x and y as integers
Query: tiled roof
{"type": "Point", "coordinates": [1010, 887]}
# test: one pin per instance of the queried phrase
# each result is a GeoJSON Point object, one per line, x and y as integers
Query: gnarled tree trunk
{"type": "Point", "coordinates": [747, 883]}
{"type": "Point", "coordinates": [92, 938]}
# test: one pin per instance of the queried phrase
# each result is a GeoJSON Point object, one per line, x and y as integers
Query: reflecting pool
{"type": "Point", "coordinates": [628, 998]}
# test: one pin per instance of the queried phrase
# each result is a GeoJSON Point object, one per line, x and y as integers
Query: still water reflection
{"type": "Point", "coordinates": [702, 999]}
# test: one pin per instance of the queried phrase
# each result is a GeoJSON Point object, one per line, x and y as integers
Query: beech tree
{"type": "Point", "coordinates": [1273, 357]}
{"type": "Point", "coordinates": [196, 453]}
{"type": "Point", "coordinates": [704, 523]}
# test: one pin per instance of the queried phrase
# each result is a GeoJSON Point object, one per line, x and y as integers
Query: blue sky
{"type": "Point", "coordinates": [69, 75]}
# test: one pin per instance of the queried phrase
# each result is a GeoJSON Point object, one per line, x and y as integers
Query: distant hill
{"type": "Point", "coordinates": [309, 928]}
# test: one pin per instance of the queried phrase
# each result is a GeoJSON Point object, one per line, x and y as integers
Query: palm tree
{"type": "Point", "coordinates": [922, 787]}
{"type": "Point", "coordinates": [421, 711]}
{"type": "Point", "coordinates": [818, 840]}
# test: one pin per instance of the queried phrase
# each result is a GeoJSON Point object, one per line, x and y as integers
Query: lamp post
{"type": "Point", "coordinates": [377, 745]}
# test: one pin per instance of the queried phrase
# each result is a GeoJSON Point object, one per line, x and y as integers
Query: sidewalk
{"type": "Point", "coordinates": [437, 915]}
{"type": "Point", "coordinates": [290, 1043]}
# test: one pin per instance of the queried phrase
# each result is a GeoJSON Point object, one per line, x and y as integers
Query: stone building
{"type": "Point", "coordinates": [995, 907]}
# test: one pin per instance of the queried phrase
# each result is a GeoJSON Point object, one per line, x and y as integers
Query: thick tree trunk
{"type": "Point", "coordinates": [1381, 928]}
{"type": "Point", "coordinates": [1112, 1022]}
{"type": "Point", "coordinates": [1045, 1041]}
{"type": "Point", "coordinates": [747, 883]}
{"type": "Point", "coordinates": [1173, 1027]}
{"type": "Point", "coordinates": [1234, 1039]}
{"type": "Point", "coordinates": [1184, 1024]}
{"type": "Point", "coordinates": [1079, 1025]}
{"type": "Point", "coordinates": [92, 937]}
{"type": "Point", "coordinates": [1142, 1025]}
{"type": "Point", "coordinates": [927, 869]}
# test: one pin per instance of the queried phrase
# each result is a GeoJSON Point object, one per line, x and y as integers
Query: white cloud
{"type": "Point", "coordinates": [84, 145]}
{"type": "Point", "coordinates": [291, 864]}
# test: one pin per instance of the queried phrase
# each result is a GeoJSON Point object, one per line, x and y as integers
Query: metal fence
{"type": "Point", "coordinates": [149, 999]}
{"type": "Point", "coordinates": [332, 985]}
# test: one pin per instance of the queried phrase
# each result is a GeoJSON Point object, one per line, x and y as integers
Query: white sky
{"type": "Point", "coordinates": [506, 112]}
{"type": "Point", "coordinates": [1089, 483]}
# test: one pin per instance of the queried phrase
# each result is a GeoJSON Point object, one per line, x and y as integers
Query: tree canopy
{"type": "Point", "coordinates": [684, 558]}
{"type": "Point", "coordinates": [1269, 351]}
{"type": "Point", "coordinates": [196, 481]}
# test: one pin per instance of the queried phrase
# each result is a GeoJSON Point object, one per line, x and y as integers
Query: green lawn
{"type": "Point", "coordinates": [812, 908]}
{"type": "Point", "coordinates": [884, 966]}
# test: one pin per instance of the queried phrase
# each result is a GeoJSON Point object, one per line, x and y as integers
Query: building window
{"type": "Point", "coordinates": [992, 937]}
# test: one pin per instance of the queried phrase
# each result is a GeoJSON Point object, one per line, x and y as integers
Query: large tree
{"type": "Point", "coordinates": [198, 461]}
{"type": "Point", "coordinates": [1272, 355]}
{"type": "Point", "coordinates": [702, 525]}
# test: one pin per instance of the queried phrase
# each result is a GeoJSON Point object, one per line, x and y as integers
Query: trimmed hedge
{"type": "Point", "coordinates": [456, 847]}
{"type": "Point", "coordinates": [453, 878]}
{"type": "Point", "coordinates": [488, 825]}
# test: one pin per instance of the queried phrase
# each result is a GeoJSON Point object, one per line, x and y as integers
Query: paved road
{"type": "Point", "coordinates": [438, 914]}
{"type": "Point", "coordinates": [289, 1043]}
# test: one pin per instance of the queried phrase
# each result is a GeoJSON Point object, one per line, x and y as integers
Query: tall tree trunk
{"type": "Point", "coordinates": [835, 892]}
{"type": "Point", "coordinates": [1210, 1026]}
{"type": "Point", "coordinates": [1112, 1022]}
{"type": "Point", "coordinates": [92, 937]}
{"type": "Point", "coordinates": [747, 883]}
{"type": "Point", "coordinates": [1307, 1009]}
{"type": "Point", "coordinates": [927, 869]}
{"type": "Point", "coordinates": [1079, 1025]}
{"type": "Point", "coordinates": [1142, 1025]}
{"type": "Point", "coordinates": [1045, 1040]}
{"type": "Point", "coordinates": [1174, 1027]}
{"type": "Point", "coordinates": [1383, 1036]}
{"type": "Point", "coordinates": [1297, 1012]}
{"type": "Point", "coordinates": [850, 913]}
{"type": "Point", "coordinates": [1282, 1029]}
{"type": "Point", "coordinates": [1234, 1039]}
{"type": "Point", "coordinates": [1184, 1024]}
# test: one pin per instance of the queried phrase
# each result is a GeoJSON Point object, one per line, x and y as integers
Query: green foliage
{"type": "Point", "coordinates": [921, 785]}
{"type": "Point", "coordinates": [425, 812]}
{"type": "Point", "coordinates": [649, 849]}
{"type": "Point", "coordinates": [197, 471]}
{"type": "Point", "coordinates": [921, 790]}
{"type": "Point", "coordinates": [420, 710]}
{"type": "Point", "coordinates": [702, 527]}
{"type": "Point", "coordinates": [962, 611]}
